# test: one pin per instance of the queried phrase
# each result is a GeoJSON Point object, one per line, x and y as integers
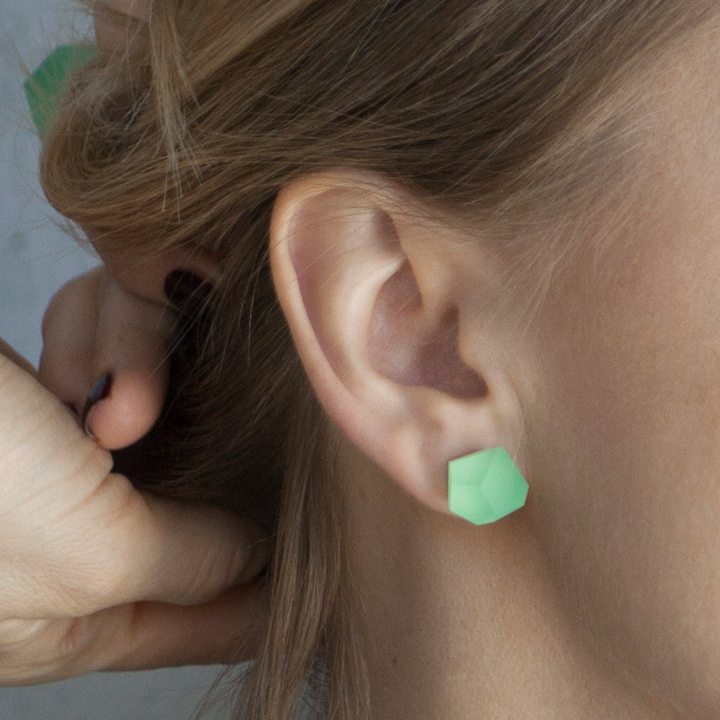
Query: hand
{"type": "Point", "coordinates": [94, 330]}
{"type": "Point", "coordinates": [95, 575]}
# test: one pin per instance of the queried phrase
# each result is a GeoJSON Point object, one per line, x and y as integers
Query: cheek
{"type": "Point", "coordinates": [627, 454]}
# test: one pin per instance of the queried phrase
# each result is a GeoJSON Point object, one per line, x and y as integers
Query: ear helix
{"type": "Point", "coordinates": [485, 486]}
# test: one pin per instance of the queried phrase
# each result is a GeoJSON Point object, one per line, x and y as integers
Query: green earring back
{"type": "Point", "coordinates": [45, 88]}
{"type": "Point", "coordinates": [485, 486]}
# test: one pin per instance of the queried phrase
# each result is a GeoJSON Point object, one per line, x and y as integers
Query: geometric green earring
{"type": "Point", "coordinates": [485, 486]}
{"type": "Point", "coordinates": [46, 87]}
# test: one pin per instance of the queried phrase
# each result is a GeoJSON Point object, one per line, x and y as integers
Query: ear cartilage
{"type": "Point", "coordinates": [45, 88]}
{"type": "Point", "coordinates": [485, 486]}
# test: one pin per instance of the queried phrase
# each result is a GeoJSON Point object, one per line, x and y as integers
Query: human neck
{"type": "Point", "coordinates": [462, 623]}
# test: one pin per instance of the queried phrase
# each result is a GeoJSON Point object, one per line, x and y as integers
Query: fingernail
{"type": "Point", "coordinates": [99, 391]}
{"type": "Point", "coordinates": [183, 287]}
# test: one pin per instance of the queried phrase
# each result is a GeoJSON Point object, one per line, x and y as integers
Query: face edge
{"type": "Point", "coordinates": [627, 419]}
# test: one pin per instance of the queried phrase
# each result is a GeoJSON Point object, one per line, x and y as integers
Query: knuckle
{"type": "Point", "coordinates": [89, 586]}
{"type": "Point", "coordinates": [106, 553]}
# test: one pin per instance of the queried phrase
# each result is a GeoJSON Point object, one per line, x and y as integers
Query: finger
{"type": "Point", "coordinates": [183, 553]}
{"type": "Point", "coordinates": [138, 636]}
{"type": "Point", "coordinates": [228, 629]}
{"type": "Point", "coordinates": [77, 538]}
{"type": "Point", "coordinates": [118, 545]}
{"type": "Point", "coordinates": [68, 330]}
{"type": "Point", "coordinates": [132, 347]}
{"type": "Point", "coordinates": [93, 330]}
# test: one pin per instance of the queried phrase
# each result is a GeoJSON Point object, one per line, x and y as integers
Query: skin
{"type": "Point", "coordinates": [641, 571]}
{"type": "Point", "coordinates": [95, 575]}
{"type": "Point", "coordinates": [601, 598]}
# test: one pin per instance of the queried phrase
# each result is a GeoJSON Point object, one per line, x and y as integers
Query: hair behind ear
{"type": "Point", "coordinates": [309, 591]}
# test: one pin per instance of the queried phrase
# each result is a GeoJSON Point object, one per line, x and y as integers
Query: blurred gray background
{"type": "Point", "coordinates": [36, 258]}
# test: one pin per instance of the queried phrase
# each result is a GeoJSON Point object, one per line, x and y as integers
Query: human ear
{"type": "Point", "coordinates": [384, 309]}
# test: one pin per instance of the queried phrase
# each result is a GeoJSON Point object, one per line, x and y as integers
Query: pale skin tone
{"type": "Point", "coordinates": [95, 575]}
{"type": "Point", "coordinates": [600, 599]}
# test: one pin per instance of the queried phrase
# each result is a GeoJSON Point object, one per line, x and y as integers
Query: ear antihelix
{"type": "Point", "coordinates": [485, 486]}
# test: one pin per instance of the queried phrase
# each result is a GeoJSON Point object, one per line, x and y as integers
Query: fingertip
{"type": "Point", "coordinates": [128, 412]}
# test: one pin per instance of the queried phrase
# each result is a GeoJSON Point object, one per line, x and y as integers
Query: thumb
{"type": "Point", "coordinates": [192, 553]}
{"type": "Point", "coordinates": [76, 538]}
{"type": "Point", "coordinates": [130, 546]}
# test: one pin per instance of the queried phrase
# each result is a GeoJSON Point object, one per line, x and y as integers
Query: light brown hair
{"type": "Point", "coordinates": [502, 113]}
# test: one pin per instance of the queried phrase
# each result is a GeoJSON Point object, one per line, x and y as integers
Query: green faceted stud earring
{"type": "Point", "coordinates": [485, 486]}
{"type": "Point", "coordinates": [45, 88]}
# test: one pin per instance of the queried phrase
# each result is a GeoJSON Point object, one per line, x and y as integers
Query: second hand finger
{"type": "Point", "coordinates": [136, 636]}
{"type": "Point", "coordinates": [130, 361]}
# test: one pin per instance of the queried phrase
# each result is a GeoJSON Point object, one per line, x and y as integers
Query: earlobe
{"type": "Point", "coordinates": [376, 323]}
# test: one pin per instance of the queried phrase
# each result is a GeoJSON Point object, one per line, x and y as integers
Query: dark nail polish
{"type": "Point", "coordinates": [183, 288]}
{"type": "Point", "coordinates": [99, 391]}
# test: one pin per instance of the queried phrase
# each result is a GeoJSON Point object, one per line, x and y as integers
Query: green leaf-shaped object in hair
{"type": "Point", "coordinates": [45, 88]}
